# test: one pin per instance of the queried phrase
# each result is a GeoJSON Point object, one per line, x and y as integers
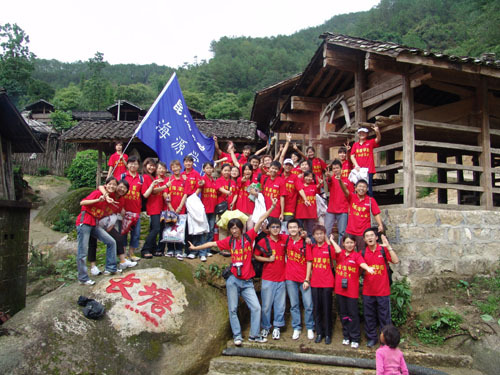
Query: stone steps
{"type": "Point", "coordinates": [337, 349]}
{"type": "Point", "coordinates": [234, 365]}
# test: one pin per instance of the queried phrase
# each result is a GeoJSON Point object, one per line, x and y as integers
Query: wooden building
{"type": "Point", "coordinates": [436, 112]}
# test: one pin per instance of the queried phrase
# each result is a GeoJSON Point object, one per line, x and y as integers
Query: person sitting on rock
{"type": "Point", "coordinates": [240, 281]}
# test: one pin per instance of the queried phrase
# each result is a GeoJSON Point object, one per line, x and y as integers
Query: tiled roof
{"type": "Point", "coordinates": [105, 131]}
{"type": "Point", "coordinates": [394, 50]}
{"type": "Point", "coordinates": [92, 115]}
{"type": "Point", "coordinates": [38, 126]}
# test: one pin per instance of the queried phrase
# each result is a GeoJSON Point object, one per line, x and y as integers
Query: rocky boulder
{"type": "Point", "coordinates": [158, 320]}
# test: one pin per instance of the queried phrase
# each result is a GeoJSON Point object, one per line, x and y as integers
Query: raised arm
{"type": "Point", "coordinates": [378, 136]}
{"type": "Point", "coordinates": [392, 253]}
{"type": "Point", "coordinates": [296, 148]}
{"type": "Point", "coordinates": [343, 187]}
{"type": "Point", "coordinates": [285, 148]}
{"type": "Point", "coordinates": [265, 215]}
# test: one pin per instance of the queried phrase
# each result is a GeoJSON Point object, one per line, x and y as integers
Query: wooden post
{"type": "Point", "coordinates": [460, 179]}
{"type": "Point", "coordinates": [442, 175]}
{"type": "Point", "coordinates": [484, 141]}
{"type": "Point", "coordinates": [410, 193]}
{"type": "Point", "coordinates": [99, 167]}
{"type": "Point", "coordinates": [3, 173]}
{"type": "Point", "coordinates": [359, 86]}
{"type": "Point", "coordinates": [390, 159]}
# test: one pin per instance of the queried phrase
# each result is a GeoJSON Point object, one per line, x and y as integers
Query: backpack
{"type": "Point", "coordinates": [331, 261]}
{"type": "Point", "coordinates": [259, 266]}
{"type": "Point", "coordinates": [259, 177]}
{"type": "Point", "coordinates": [143, 200]}
{"type": "Point", "coordinates": [231, 245]}
{"type": "Point", "coordinates": [302, 249]}
{"type": "Point", "coordinates": [389, 269]}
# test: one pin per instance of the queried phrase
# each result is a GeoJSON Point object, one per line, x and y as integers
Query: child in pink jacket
{"type": "Point", "coordinates": [389, 359]}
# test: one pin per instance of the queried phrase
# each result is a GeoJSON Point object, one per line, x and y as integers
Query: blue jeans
{"type": "Point", "coordinates": [207, 237]}
{"type": "Point", "coordinates": [370, 184]}
{"type": "Point", "coordinates": [83, 233]}
{"type": "Point", "coordinates": [273, 294]}
{"type": "Point", "coordinates": [292, 289]}
{"type": "Point", "coordinates": [135, 233]}
{"type": "Point", "coordinates": [235, 288]}
{"type": "Point", "coordinates": [341, 220]}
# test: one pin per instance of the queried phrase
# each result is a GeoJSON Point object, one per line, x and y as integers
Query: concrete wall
{"type": "Point", "coordinates": [438, 247]}
{"type": "Point", "coordinates": [14, 237]}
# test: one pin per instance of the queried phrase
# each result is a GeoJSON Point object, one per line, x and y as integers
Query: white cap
{"type": "Point", "coordinates": [363, 130]}
{"type": "Point", "coordinates": [288, 161]}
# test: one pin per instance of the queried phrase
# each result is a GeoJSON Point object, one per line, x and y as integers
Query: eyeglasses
{"type": "Point", "coordinates": [275, 227]}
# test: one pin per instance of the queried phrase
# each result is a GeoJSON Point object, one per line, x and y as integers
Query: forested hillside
{"type": "Point", "coordinates": [224, 86]}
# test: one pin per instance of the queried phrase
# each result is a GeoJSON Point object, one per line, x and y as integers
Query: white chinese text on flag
{"type": "Point", "coordinates": [169, 129]}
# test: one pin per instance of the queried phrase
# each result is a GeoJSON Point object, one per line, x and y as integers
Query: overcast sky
{"type": "Point", "coordinates": [155, 31]}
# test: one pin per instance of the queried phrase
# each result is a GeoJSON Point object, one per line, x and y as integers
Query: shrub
{"type": "Point", "coordinates": [42, 171]}
{"type": "Point", "coordinates": [400, 302]}
{"type": "Point", "coordinates": [83, 169]}
{"type": "Point", "coordinates": [65, 222]}
{"type": "Point", "coordinates": [435, 325]}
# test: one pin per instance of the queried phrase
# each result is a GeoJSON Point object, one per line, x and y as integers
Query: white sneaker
{"type": "Point", "coordinates": [276, 333]}
{"type": "Point", "coordinates": [95, 271]}
{"type": "Point", "coordinates": [209, 254]}
{"type": "Point", "coordinates": [88, 282]}
{"type": "Point", "coordinates": [310, 334]}
{"type": "Point", "coordinates": [237, 342]}
{"type": "Point", "coordinates": [191, 256]}
{"type": "Point", "coordinates": [345, 342]}
{"type": "Point", "coordinates": [179, 257]}
{"type": "Point", "coordinates": [170, 254]}
{"type": "Point", "coordinates": [354, 345]}
{"type": "Point", "coordinates": [127, 264]}
{"type": "Point", "coordinates": [203, 258]}
{"type": "Point", "coordinates": [106, 272]}
{"type": "Point", "coordinates": [296, 334]}
{"type": "Point", "coordinates": [264, 333]}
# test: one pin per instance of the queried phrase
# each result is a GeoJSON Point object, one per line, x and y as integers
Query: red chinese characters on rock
{"type": "Point", "coordinates": [120, 285]}
{"type": "Point", "coordinates": [161, 299]}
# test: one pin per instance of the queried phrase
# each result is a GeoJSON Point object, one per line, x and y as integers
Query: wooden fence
{"type": "Point", "coordinates": [57, 157]}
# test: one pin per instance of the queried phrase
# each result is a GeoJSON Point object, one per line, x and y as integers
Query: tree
{"type": "Point", "coordinates": [62, 120]}
{"type": "Point", "coordinates": [39, 90]}
{"type": "Point", "coordinates": [16, 61]}
{"type": "Point", "coordinates": [69, 98]}
{"type": "Point", "coordinates": [97, 91]}
{"type": "Point", "coordinates": [137, 93]}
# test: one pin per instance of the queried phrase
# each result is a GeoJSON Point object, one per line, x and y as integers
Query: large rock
{"type": "Point", "coordinates": [157, 321]}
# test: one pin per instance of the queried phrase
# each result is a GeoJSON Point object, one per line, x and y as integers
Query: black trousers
{"type": "Point", "coordinates": [92, 253]}
{"type": "Point", "coordinates": [377, 311]}
{"type": "Point", "coordinates": [154, 229]}
{"type": "Point", "coordinates": [349, 317]}
{"type": "Point", "coordinates": [322, 310]}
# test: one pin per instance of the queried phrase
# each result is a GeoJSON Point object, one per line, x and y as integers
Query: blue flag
{"type": "Point", "coordinates": [169, 129]}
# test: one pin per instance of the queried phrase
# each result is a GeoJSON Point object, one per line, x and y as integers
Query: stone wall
{"type": "Point", "coordinates": [14, 237]}
{"type": "Point", "coordinates": [438, 247]}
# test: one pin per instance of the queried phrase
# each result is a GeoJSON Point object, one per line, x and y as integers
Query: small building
{"type": "Point", "coordinates": [40, 110]}
{"type": "Point", "coordinates": [15, 137]}
{"type": "Point", "coordinates": [437, 113]}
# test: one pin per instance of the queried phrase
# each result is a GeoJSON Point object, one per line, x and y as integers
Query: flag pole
{"type": "Point", "coordinates": [144, 119]}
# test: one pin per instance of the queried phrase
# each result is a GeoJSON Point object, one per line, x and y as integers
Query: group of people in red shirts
{"type": "Point", "coordinates": [300, 262]}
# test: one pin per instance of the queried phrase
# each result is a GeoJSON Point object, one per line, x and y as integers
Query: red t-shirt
{"type": "Point", "coordinates": [155, 203]}
{"type": "Point", "coordinates": [115, 209]}
{"type": "Point", "coordinates": [303, 211]}
{"type": "Point", "coordinates": [192, 179]}
{"type": "Point", "coordinates": [90, 213]}
{"type": "Point", "coordinates": [296, 265]}
{"type": "Point", "coordinates": [346, 169]}
{"type": "Point", "coordinates": [121, 164]}
{"type": "Point", "coordinates": [273, 189]}
{"type": "Point", "coordinates": [176, 191]}
{"type": "Point", "coordinates": [359, 214]}
{"type": "Point", "coordinates": [291, 193]}
{"type": "Point", "coordinates": [244, 204]}
{"type": "Point", "coordinates": [133, 199]}
{"type": "Point", "coordinates": [318, 166]}
{"type": "Point", "coordinates": [338, 203]}
{"type": "Point", "coordinates": [209, 194]}
{"type": "Point", "coordinates": [230, 159]}
{"type": "Point", "coordinates": [273, 271]}
{"type": "Point", "coordinates": [230, 185]}
{"type": "Point", "coordinates": [364, 154]}
{"type": "Point", "coordinates": [296, 171]}
{"type": "Point", "coordinates": [377, 284]}
{"type": "Point", "coordinates": [348, 268]}
{"type": "Point", "coordinates": [241, 251]}
{"type": "Point", "coordinates": [322, 276]}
